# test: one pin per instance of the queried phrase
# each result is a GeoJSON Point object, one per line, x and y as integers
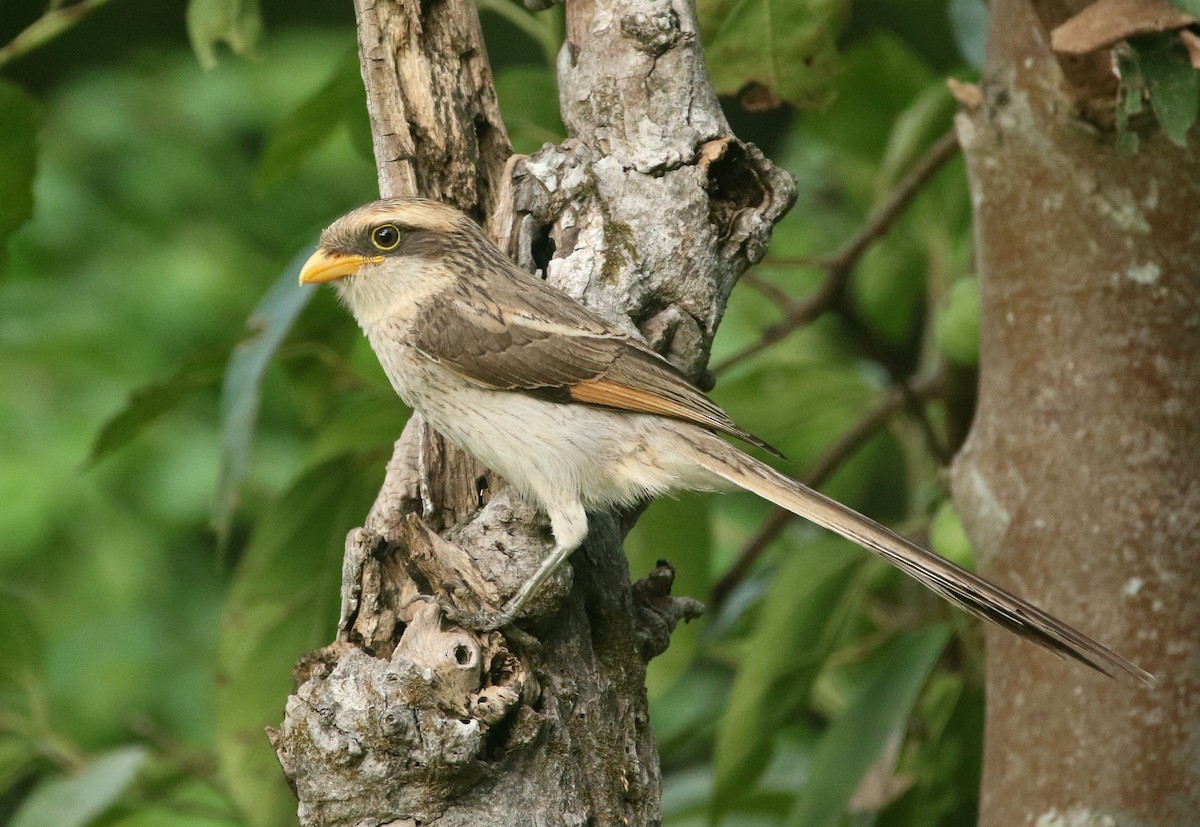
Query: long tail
{"type": "Point", "coordinates": [959, 586]}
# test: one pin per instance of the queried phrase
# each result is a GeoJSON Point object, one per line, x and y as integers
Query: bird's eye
{"type": "Point", "coordinates": [385, 237]}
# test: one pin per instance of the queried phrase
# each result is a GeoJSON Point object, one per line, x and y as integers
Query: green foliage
{"type": "Point", "coordinates": [148, 404]}
{"type": "Point", "coordinates": [236, 23]}
{"type": "Point", "coordinates": [853, 742]}
{"type": "Point", "coordinates": [18, 148]}
{"type": "Point", "coordinates": [957, 324]}
{"type": "Point", "coordinates": [812, 695]}
{"type": "Point", "coordinates": [882, 79]}
{"type": "Point", "coordinates": [684, 524]}
{"type": "Point", "coordinates": [802, 614]}
{"type": "Point", "coordinates": [925, 119]}
{"type": "Point", "coordinates": [948, 537]}
{"type": "Point", "coordinates": [773, 51]}
{"type": "Point", "coordinates": [1156, 67]}
{"type": "Point", "coordinates": [1172, 83]}
{"type": "Point", "coordinates": [282, 603]}
{"type": "Point", "coordinates": [148, 248]}
{"type": "Point", "coordinates": [969, 19]}
{"type": "Point", "coordinates": [1189, 6]}
{"type": "Point", "coordinates": [337, 102]}
{"type": "Point", "coordinates": [1130, 99]}
{"type": "Point", "coordinates": [241, 391]}
{"type": "Point", "coordinates": [75, 800]}
{"type": "Point", "coordinates": [529, 100]}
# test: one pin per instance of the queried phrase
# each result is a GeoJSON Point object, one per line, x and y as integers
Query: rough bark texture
{"type": "Point", "coordinates": [648, 214]}
{"type": "Point", "coordinates": [1079, 481]}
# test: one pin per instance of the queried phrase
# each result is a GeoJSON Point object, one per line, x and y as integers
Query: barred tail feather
{"type": "Point", "coordinates": [961, 587]}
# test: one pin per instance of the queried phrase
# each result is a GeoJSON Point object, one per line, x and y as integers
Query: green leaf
{"type": "Point", "coordinates": [945, 766]}
{"type": "Point", "coordinates": [1192, 7]}
{"type": "Point", "coordinates": [1172, 83]}
{"type": "Point", "coordinates": [75, 800]}
{"type": "Point", "coordinates": [948, 538]}
{"type": "Point", "coordinates": [20, 638]}
{"type": "Point", "coordinates": [888, 288]}
{"type": "Point", "coordinates": [957, 325]}
{"type": "Point", "coordinates": [18, 756]}
{"type": "Point", "coordinates": [270, 322]}
{"type": "Point", "coordinates": [798, 624]}
{"type": "Point", "coordinates": [773, 51]}
{"type": "Point", "coordinates": [679, 531]}
{"type": "Point", "coordinates": [1130, 93]}
{"type": "Point", "coordinates": [883, 76]}
{"type": "Point", "coordinates": [921, 123]}
{"type": "Point", "coordinates": [855, 739]}
{"type": "Point", "coordinates": [191, 800]}
{"type": "Point", "coordinates": [684, 717]}
{"type": "Point", "coordinates": [283, 602]}
{"type": "Point", "coordinates": [363, 422]}
{"type": "Point", "coordinates": [18, 148]}
{"type": "Point", "coordinates": [236, 23]}
{"type": "Point", "coordinates": [969, 19]}
{"type": "Point", "coordinates": [340, 100]}
{"type": "Point", "coordinates": [147, 404]}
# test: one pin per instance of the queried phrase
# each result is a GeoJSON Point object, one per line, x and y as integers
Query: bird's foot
{"type": "Point", "coordinates": [481, 621]}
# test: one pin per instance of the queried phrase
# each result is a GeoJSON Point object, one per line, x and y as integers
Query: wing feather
{"type": "Point", "coordinates": [522, 335]}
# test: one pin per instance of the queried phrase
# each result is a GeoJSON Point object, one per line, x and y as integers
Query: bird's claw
{"type": "Point", "coordinates": [480, 621]}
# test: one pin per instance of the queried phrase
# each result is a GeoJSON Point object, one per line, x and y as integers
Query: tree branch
{"type": "Point", "coordinates": [50, 25]}
{"type": "Point", "coordinates": [799, 312]}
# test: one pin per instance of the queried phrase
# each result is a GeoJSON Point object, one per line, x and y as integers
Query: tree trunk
{"type": "Point", "coordinates": [647, 214]}
{"type": "Point", "coordinates": [1079, 482]}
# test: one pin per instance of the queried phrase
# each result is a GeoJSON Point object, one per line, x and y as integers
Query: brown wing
{"type": "Point", "coordinates": [522, 335]}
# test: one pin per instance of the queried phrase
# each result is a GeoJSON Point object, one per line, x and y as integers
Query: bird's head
{"type": "Point", "coordinates": [390, 253]}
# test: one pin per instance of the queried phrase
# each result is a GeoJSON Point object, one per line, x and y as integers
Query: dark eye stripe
{"type": "Point", "coordinates": [385, 237]}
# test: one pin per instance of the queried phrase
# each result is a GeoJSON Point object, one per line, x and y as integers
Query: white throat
{"type": "Point", "coordinates": [391, 291]}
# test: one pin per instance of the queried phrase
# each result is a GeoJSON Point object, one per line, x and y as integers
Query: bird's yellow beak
{"type": "Point", "coordinates": [323, 266]}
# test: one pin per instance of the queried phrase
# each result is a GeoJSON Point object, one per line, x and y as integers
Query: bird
{"type": "Point", "coordinates": [578, 415]}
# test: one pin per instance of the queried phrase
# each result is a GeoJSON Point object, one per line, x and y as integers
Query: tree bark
{"type": "Point", "coordinates": [648, 213]}
{"type": "Point", "coordinates": [1079, 480]}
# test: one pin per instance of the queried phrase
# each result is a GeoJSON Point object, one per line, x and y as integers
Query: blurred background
{"type": "Point", "coordinates": [185, 438]}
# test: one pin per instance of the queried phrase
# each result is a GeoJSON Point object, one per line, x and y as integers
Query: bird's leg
{"type": "Point", "coordinates": [569, 524]}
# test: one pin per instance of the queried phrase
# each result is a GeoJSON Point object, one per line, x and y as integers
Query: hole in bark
{"type": "Point", "coordinates": [482, 129]}
{"type": "Point", "coordinates": [653, 305]}
{"type": "Point", "coordinates": [542, 249]}
{"type": "Point", "coordinates": [484, 133]}
{"type": "Point", "coordinates": [463, 655]}
{"type": "Point", "coordinates": [496, 738]}
{"type": "Point", "coordinates": [481, 486]}
{"type": "Point", "coordinates": [733, 186]}
{"type": "Point", "coordinates": [733, 182]}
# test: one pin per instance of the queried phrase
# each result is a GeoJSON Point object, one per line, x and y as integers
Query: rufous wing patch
{"type": "Point", "coordinates": [617, 395]}
{"type": "Point", "coordinates": [622, 397]}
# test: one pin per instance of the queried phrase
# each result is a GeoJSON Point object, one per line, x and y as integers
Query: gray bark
{"type": "Point", "coordinates": [653, 209]}
{"type": "Point", "coordinates": [1078, 483]}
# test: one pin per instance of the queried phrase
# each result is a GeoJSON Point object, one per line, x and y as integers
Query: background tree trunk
{"type": "Point", "coordinates": [1079, 481]}
{"type": "Point", "coordinates": [647, 214]}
